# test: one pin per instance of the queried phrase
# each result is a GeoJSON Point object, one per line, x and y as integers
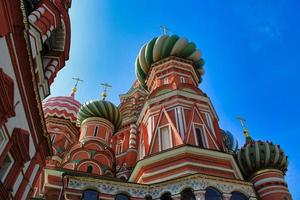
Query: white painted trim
{"type": "Point", "coordinates": [274, 191]}
{"type": "Point", "coordinates": [184, 149]}
{"type": "Point", "coordinates": [266, 180]}
{"type": "Point", "coordinates": [184, 164]}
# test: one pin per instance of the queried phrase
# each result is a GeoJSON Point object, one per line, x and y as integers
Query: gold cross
{"type": "Point", "coordinates": [243, 124]}
{"type": "Point", "coordinates": [74, 89]}
{"type": "Point", "coordinates": [242, 121]}
{"type": "Point", "coordinates": [164, 29]}
{"type": "Point", "coordinates": [77, 81]}
{"type": "Point", "coordinates": [104, 93]}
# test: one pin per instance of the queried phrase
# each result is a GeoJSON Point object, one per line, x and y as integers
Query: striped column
{"type": "Point", "coordinates": [270, 185]}
{"type": "Point", "coordinates": [132, 137]}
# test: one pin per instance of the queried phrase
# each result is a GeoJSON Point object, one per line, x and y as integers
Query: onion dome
{"type": "Point", "coordinates": [229, 141]}
{"type": "Point", "coordinates": [258, 155]}
{"type": "Point", "coordinates": [65, 107]}
{"type": "Point", "coordinates": [162, 47]}
{"type": "Point", "coordinates": [100, 108]}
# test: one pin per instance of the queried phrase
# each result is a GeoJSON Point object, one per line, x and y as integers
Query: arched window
{"type": "Point", "coordinates": [89, 169]}
{"type": "Point", "coordinates": [187, 194]}
{"type": "Point", "coordinates": [166, 196]}
{"type": "Point", "coordinates": [238, 196]}
{"type": "Point", "coordinates": [122, 197]}
{"type": "Point", "coordinates": [148, 197]}
{"type": "Point", "coordinates": [90, 195]}
{"type": "Point", "coordinates": [212, 194]}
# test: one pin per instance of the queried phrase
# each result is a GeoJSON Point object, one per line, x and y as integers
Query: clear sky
{"type": "Point", "coordinates": [251, 49]}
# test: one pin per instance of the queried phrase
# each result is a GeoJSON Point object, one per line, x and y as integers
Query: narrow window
{"type": "Point", "coordinates": [209, 122]}
{"type": "Point", "coordinates": [182, 79]}
{"type": "Point", "coordinates": [106, 135]}
{"type": "Point", "coordinates": [166, 81]}
{"type": "Point", "coordinates": [66, 144]}
{"type": "Point", "coordinates": [5, 167]}
{"type": "Point", "coordinates": [165, 138]}
{"type": "Point", "coordinates": [199, 136]}
{"type": "Point", "coordinates": [53, 136]}
{"type": "Point", "coordinates": [180, 121]}
{"type": "Point", "coordinates": [149, 128]}
{"type": "Point", "coordinates": [89, 169]}
{"type": "Point", "coordinates": [95, 131]}
{"type": "Point", "coordinates": [2, 139]}
{"type": "Point", "coordinates": [142, 150]}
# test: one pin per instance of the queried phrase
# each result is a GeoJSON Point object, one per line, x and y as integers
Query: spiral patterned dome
{"type": "Point", "coordinates": [162, 47]}
{"type": "Point", "coordinates": [230, 142]}
{"type": "Point", "coordinates": [65, 107]}
{"type": "Point", "coordinates": [100, 108]}
{"type": "Point", "coordinates": [257, 155]}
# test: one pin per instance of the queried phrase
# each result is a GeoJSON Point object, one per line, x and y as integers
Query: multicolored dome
{"type": "Point", "coordinates": [65, 107]}
{"type": "Point", "coordinates": [162, 47]}
{"type": "Point", "coordinates": [257, 155]}
{"type": "Point", "coordinates": [100, 108]}
{"type": "Point", "coordinates": [230, 142]}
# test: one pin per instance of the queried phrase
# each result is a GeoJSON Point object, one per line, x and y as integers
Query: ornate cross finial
{"type": "Point", "coordinates": [243, 121]}
{"type": "Point", "coordinates": [164, 29]}
{"type": "Point", "coordinates": [74, 89]}
{"type": "Point", "coordinates": [104, 93]}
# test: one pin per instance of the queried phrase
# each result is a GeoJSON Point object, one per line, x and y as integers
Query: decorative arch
{"type": "Point", "coordinates": [122, 196]}
{"type": "Point", "coordinates": [83, 166]}
{"type": "Point", "coordinates": [213, 194]}
{"type": "Point", "coordinates": [235, 195]}
{"type": "Point", "coordinates": [166, 196]}
{"type": "Point", "coordinates": [80, 155]}
{"type": "Point", "coordinates": [187, 194]}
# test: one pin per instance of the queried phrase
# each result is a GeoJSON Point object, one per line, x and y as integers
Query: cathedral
{"type": "Point", "coordinates": [163, 141]}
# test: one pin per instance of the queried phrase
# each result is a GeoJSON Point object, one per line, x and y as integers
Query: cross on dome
{"type": "Point", "coordinates": [104, 93]}
{"type": "Point", "coordinates": [164, 29]}
{"type": "Point", "coordinates": [245, 130]}
{"type": "Point", "coordinates": [74, 89]}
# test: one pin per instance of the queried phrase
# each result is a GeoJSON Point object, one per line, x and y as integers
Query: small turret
{"type": "Point", "coordinates": [264, 164]}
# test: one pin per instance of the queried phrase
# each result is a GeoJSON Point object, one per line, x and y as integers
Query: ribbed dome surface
{"type": "Point", "coordinates": [100, 108]}
{"type": "Point", "coordinates": [65, 107]}
{"type": "Point", "coordinates": [162, 47]}
{"type": "Point", "coordinates": [257, 155]}
{"type": "Point", "coordinates": [229, 141]}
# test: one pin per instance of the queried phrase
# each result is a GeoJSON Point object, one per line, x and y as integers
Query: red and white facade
{"type": "Point", "coordinates": [24, 82]}
{"type": "Point", "coordinates": [169, 146]}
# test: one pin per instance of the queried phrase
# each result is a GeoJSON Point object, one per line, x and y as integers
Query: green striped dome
{"type": "Point", "coordinates": [100, 108]}
{"type": "Point", "coordinates": [162, 47]}
{"type": "Point", "coordinates": [257, 155]}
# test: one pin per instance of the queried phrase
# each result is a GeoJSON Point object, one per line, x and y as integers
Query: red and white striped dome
{"type": "Point", "coordinates": [62, 107]}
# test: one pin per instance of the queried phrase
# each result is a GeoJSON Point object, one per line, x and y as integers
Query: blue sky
{"type": "Point", "coordinates": [251, 49]}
